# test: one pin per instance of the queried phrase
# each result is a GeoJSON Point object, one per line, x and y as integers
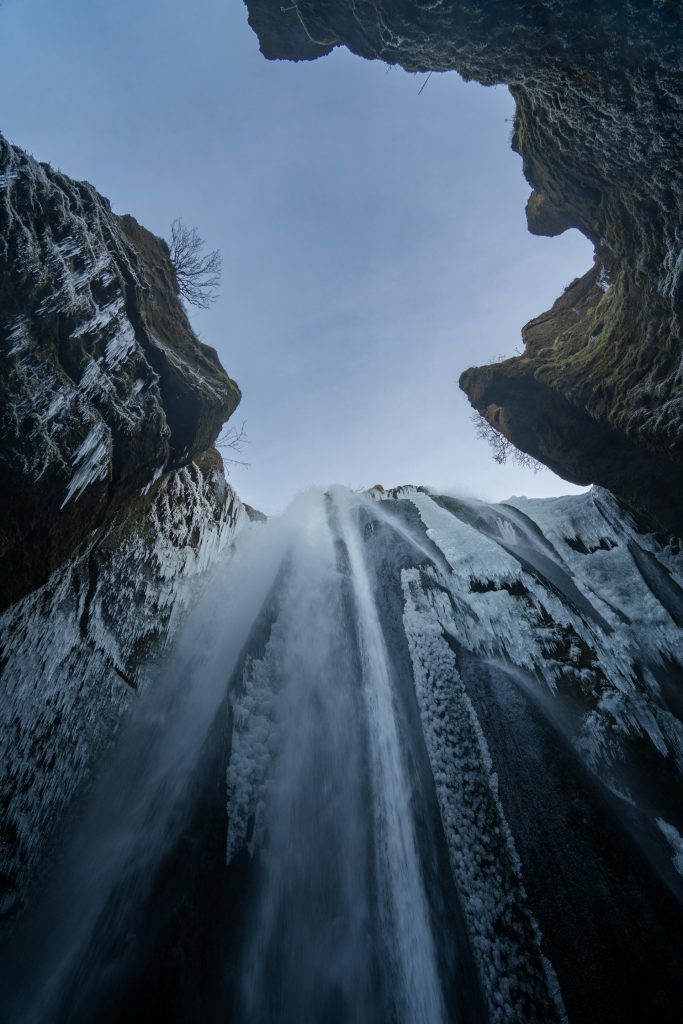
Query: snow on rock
{"type": "Point", "coordinates": [378, 492]}
{"type": "Point", "coordinates": [484, 861]}
{"type": "Point", "coordinates": [90, 461]}
{"type": "Point", "coordinates": [675, 840]}
{"type": "Point", "coordinates": [588, 610]}
{"type": "Point", "coordinates": [604, 283]}
{"type": "Point", "coordinates": [102, 380]}
{"type": "Point", "coordinates": [75, 651]}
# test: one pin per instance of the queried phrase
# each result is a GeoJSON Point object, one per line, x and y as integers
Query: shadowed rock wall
{"type": "Point", "coordinates": [104, 386]}
{"type": "Point", "coordinates": [113, 499]}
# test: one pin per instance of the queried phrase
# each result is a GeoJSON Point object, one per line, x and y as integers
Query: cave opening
{"type": "Point", "coordinates": [371, 222]}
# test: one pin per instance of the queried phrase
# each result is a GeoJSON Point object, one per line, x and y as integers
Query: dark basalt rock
{"type": "Point", "coordinates": [597, 394]}
{"type": "Point", "coordinates": [544, 218]}
{"type": "Point", "coordinates": [104, 385]}
{"type": "Point", "coordinates": [255, 516]}
{"type": "Point", "coordinates": [292, 41]}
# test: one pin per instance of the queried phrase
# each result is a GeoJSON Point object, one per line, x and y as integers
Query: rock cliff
{"type": "Point", "coordinates": [597, 394]}
{"type": "Point", "coordinates": [75, 652]}
{"type": "Point", "coordinates": [104, 386]}
{"type": "Point", "coordinates": [113, 497]}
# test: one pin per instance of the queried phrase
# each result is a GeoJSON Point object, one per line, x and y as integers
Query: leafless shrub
{"type": "Point", "coordinates": [502, 448]}
{"type": "Point", "coordinates": [233, 439]}
{"type": "Point", "coordinates": [198, 273]}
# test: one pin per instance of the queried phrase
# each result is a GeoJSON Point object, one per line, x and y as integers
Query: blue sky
{"type": "Point", "coordinates": [374, 239]}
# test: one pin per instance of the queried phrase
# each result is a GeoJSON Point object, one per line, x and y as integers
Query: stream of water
{"type": "Point", "coordinates": [282, 694]}
{"type": "Point", "coordinates": [401, 765]}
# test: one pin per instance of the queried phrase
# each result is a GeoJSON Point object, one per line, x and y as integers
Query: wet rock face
{"type": "Point", "coordinates": [104, 387]}
{"type": "Point", "coordinates": [597, 394]}
{"type": "Point", "coordinates": [76, 651]}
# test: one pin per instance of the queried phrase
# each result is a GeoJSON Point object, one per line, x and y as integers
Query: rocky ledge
{"type": "Point", "coordinates": [104, 386]}
{"type": "Point", "coordinates": [597, 394]}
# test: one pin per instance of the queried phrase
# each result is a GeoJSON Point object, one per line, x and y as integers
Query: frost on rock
{"type": "Point", "coordinates": [75, 651]}
{"type": "Point", "coordinates": [69, 278]}
{"type": "Point", "coordinates": [587, 610]}
{"type": "Point", "coordinates": [378, 493]}
{"type": "Point", "coordinates": [604, 282]}
{"type": "Point", "coordinates": [486, 868]}
{"type": "Point", "coordinates": [251, 754]}
{"type": "Point", "coordinates": [90, 461]}
{"type": "Point", "coordinates": [675, 840]}
{"type": "Point", "coordinates": [102, 380]}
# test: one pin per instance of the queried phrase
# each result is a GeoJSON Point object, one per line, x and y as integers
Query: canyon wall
{"type": "Point", "coordinates": [596, 394]}
{"type": "Point", "coordinates": [114, 498]}
{"type": "Point", "coordinates": [104, 386]}
{"type": "Point", "coordinates": [77, 651]}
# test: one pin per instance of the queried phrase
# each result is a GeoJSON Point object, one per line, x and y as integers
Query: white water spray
{"type": "Point", "coordinates": [404, 902]}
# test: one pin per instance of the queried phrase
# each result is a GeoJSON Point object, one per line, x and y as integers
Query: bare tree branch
{"type": "Point", "coordinates": [502, 448]}
{"type": "Point", "coordinates": [198, 273]}
{"type": "Point", "coordinates": [233, 439]}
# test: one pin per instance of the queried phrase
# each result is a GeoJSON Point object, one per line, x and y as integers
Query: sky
{"type": "Point", "coordinates": [373, 236]}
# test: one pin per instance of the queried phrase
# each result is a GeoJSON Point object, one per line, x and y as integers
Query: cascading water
{"type": "Point", "coordinates": [296, 771]}
{"type": "Point", "coordinates": [342, 929]}
{"type": "Point", "coordinates": [404, 907]}
{"type": "Point", "coordinates": [337, 925]}
{"type": "Point", "coordinates": [328, 807]}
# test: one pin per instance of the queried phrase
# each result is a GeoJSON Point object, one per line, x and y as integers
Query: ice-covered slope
{"type": "Point", "coordinates": [546, 648]}
{"type": "Point", "coordinates": [543, 644]}
{"type": "Point", "coordinates": [75, 652]}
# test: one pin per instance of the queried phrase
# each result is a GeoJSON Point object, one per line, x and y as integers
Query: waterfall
{"type": "Point", "coordinates": [404, 908]}
{"type": "Point", "coordinates": [342, 929]}
{"type": "Point", "coordinates": [337, 926]}
{"type": "Point", "coordinates": [136, 809]}
{"type": "Point", "coordinates": [344, 798]}
{"type": "Point", "coordinates": [297, 753]}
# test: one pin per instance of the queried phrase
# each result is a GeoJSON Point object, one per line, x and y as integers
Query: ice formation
{"type": "Point", "coordinates": [420, 760]}
{"type": "Point", "coordinates": [76, 651]}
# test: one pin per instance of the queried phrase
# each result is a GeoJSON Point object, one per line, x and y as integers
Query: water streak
{"type": "Point", "coordinates": [336, 924]}
{"type": "Point", "coordinates": [404, 905]}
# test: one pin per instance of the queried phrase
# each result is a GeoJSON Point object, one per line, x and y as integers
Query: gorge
{"type": "Point", "coordinates": [411, 759]}
{"type": "Point", "coordinates": [397, 755]}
